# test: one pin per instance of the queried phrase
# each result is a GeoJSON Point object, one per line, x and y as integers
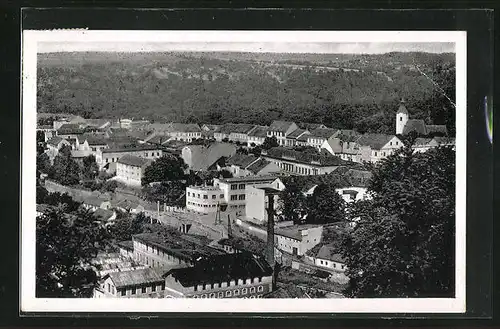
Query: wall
{"type": "Point", "coordinates": [255, 206]}
{"type": "Point", "coordinates": [329, 264]}
{"type": "Point", "coordinates": [152, 256]}
{"type": "Point", "coordinates": [129, 175]}
{"type": "Point", "coordinates": [203, 200]}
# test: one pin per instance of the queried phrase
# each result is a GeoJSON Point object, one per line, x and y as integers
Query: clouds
{"type": "Point", "coordinates": [272, 47]}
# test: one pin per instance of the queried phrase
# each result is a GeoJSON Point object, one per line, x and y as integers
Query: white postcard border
{"type": "Point", "coordinates": [28, 192]}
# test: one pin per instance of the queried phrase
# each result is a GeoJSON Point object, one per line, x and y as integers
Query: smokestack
{"type": "Point", "coordinates": [229, 232]}
{"type": "Point", "coordinates": [270, 231]}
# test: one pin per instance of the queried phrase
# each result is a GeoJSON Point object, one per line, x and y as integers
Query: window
{"type": "Point", "coordinates": [228, 293]}
{"type": "Point", "coordinates": [400, 118]}
{"type": "Point", "coordinates": [390, 143]}
{"type": "Point", "coordinates": [213, 196]}
{"type": "Point", "coordinates": [397, 143]}
{"type": "Point", "coordinates": [143, 290]}
{"type": "Point", "coordinates": [107, 160]}
{"type": "Point", "coordinates": [383, 153]}
{"type": "Point", "coordinates": [244, 291]}
{"type": "Point", "coordinates": [220, 294]}
{"type": "Point", "coordinates": [204, 296]}
{"type": "Point", "coordinates": [236, 292]}
{"type": "Point", "coordinates": [153, 288]}
{"type": "Point", "coordinates": [252, 290]}
{"type": "Point", "coordinates": [234, 197]}
{"type": "Point", "coordinates": [375, 153]}
{"type": "Point", "coordinates": [133, 291]}
{"type": "Point", "coordinates": [260, 289]}
{"type": "Point", "coordinates": [109, 287]}
{"type": "Point", "coordinates": [212, 295]}
{"type": "Point", "coordinates": [158, 153]}
{"type": "Point", "coordinates": [205, 197]}
{"type": "Point", "coordinates": [189, 193]}
{"type": "Point", "coordinates": [241, 197]}
{"type": "Point", "coordinates": [234, 186]}
{"type": "Point", "coordinates": [204, 287]}
{"type": "Point", "coordinates": [221, 196]}
{"type": "Point", "coordinates": [334, 265]}
{"type": "Point", "coordinates": [123, 292]}
{"type": "Point", "coordinates": [342, 266]}
{"type": "Point", "coordinates": [241, 186]}
{"type": "Point", "coordinates": [198, 196]}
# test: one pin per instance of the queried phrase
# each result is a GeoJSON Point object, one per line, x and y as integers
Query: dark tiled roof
{"type": "Point", "coordinates": [132, 149]}
{"type": "Point", "coordinates": [296, 133]}
{"type": "Point", "coordinates": [254, 246]}
{"type": "Point", "coordinates": [136, 277]}
{"type": "Point", "coordinates": [281, 126]}
{"type": "Point", "coordinates": [402, 109]}
{"type": "Point", "coordinates": [311, 126]}
{"type": "Point", "coordinates": [241, 160]}
{"type": "Point", "coordinates": [134, 161]}
{"type": "Point", "coordinates": [259, 131]}
{"type": "Point", "coordinates": [54, 141]}
{"type": "Point", "coordinates": [436, 129]}
{"type": "Point", "coordinates": [249, 179]}
{"type": "Point", "coordinates": [416, 125]}
{"type": "Point", "coordinates": [421, 141]}
{"type": "Point", "coordinates": [237, 128]}
{"type": "Point", "coordinates": [258, 166]}
{"type": "Point", "coordinates": [70, 128]}
{"type": "Point", "coordinates": [305, 158]}
{"type": "Point", "coordinates": [444, 140]}
{"type": "Point", "coordinates": [205, 157]}
{"type": "Point", "coordinates": [103, 214]}
{"type": "Point", "coordinates": [175, 127]}
{"type": "Point", "coordinates": [212, 127]}
{"type": "Point", "coordinates": [179, 245]}
{"type": "Point", "coordinates": [375, 141]}
{"type": "Point", "coordinates": [324, 133]}
{"type": "Point", "coordinates": [329, 253]}
{"type": "Point", "coordinates": [222, 268]}
{"type": "Point", "coordinates": [128, 244]}
{"type": "Point", "coordinates": [94, 139]}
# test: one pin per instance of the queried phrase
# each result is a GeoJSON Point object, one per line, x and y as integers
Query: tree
{"type": "Point", "coordinates": [403, 245]}
{"type": "Point", "coordinates": [293, 204]}
{"type": "Point", "coordinates": [270, 142]}
{"type": "Point", "coordinates": [127, 225]}
{"type": "Point", "coordinates": [169, 192]}
{"type": "Point", "coordinates": [325, 205]}
{"type": "Point", "coordinates": [166, 168]}
{"type": "Point", "coordinates": [40, 142]}
{"type": "Point", "coordinates": [90, 168]}
{"type": "Point", "coordinates": [43, 163]}
{"type": "Point", "coordinates": [65, 245]}
{"type": "Point", "coordinates": [65, 170]}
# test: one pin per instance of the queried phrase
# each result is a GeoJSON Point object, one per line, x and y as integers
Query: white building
{"type": "Point", "coordinates": [328, 258]}
{"type": "Point", "coordinates": [297, 239]}
{"type": "Point", "coordinates": [280, 130]}
{"type": "Point", "coordinates": [130, 169]}
{"type": "Point", "coordinates": [107, 158]}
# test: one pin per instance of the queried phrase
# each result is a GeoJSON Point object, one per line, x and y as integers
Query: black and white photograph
{"type": "Point", "coordinates": [313, 171]}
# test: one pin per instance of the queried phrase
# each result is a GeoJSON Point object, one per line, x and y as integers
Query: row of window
{"type": "Point", "coordinates": [275, 133]}
{"type": "Point", "coordinates": [217, 285]}
{"type": "Point", "coordinates": [231, 293]}
{"type": "Point", "coordinates": [327, 264]}
{"type": "Point", "coordinates": [202, 205]}
{"type": "Point", "coordinates": [315, 141]}
{"type": "Point", "coordinates": [237, 197]}
{"type": "Point", "coordinates": [237, 187]}
{"type": "Point", "coordinates": [146, 154]}
{"type": "Point", "coordinates": [297, 169]}
{"type": "Point", "coordinates": [123, 292]}
{"type": "Point", "coordinates": [205, 196]}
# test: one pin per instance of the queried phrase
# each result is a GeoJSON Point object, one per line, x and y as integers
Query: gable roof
{"type": "Point", "coordinates": [329, 253]}
{"type": "Point", "coordinates": [174, 127]}
{"type": "Point", "coordinates": [235, 128]}
{"type": "Point", "coordinates": [204, 157]}
{"type": "Point", "coordinates": [259, 131]}
{"type": "Point", "coordinates": [241, 160]}
{"type": "Point", "coordinates": [258, 165]}
{"type": "Point", "coordinates": [132, 160]}
{"type": "Point", "coordinates": [281, 126]}
{"type": "Point", "coordinates": [444, 140]}
{"type": "Point", "coordinates": [103, 214]}
{"type": "Point", "coordinates": [297, 132]}
{"type": "Point", "coordinates": [417, 125]}
{"type": "Point", "coordinates": [303, 157]}
{"type": "Point", "coordinates": [436, 129]}
{"type": "Point", "coordinates": [310, 126]}
{"type": "Point", "coordinates": [324, 132]}
{"type": "Point", "coordinates": [375, 141]}
{"type": "Point", "coordinates": [94, 139]}
{"type": "Point", "coordinates": [222, 268]}
{"type": "Point", "coordinates": [70, 128]}
{"type": "Point", "coordinates": [54, 141]}
{"type": "Point", "coordinates": [136, 277]}
{"type": "Point", "coordinates": [421, 141]}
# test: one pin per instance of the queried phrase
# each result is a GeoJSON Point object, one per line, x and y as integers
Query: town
{"type": "Point", "coordinates": [235, 210]}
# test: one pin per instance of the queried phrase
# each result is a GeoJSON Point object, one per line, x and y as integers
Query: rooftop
{"type": "Point", "coordinates": [103, 214]}
{"type": "Point", "coordinates": [281, 126]}
{"type": "Point", "coordinates": [324, 132]}
{"type": "Point", "coordinates": [294, 232]}
{"type": "Point", "coordinates": [136, 277]}
{"type": "Point", "coordinates": [259, 131]}
{"type": "Point", "coordinates": [375, 141]}
{"type": "Point", "coordinates": [54, 141]}
{"type": "Point", "coordinates": [254, 246]}
{"type": "Point", "coordinates": [204, 157]}
{"type": "Point", "coordinates": [241, 160]}
{"type": "Point", "coordinates": [128, 244]}
{"type": "Point", "coordinates": [326, 252]}
{"type": "Point", "coordinates": [174, 127]}
{"type": "Point", "coordinates": [249, 179]}
{"type": "Point", "coordinates": [134, 161]}
{"type": "Point", "coordinates": [305, 158]}
{"type": "Point", "coordinates": [182, 246]}
{"type": "Point", "coordinates": [222, 268]}
{"type": "Point", "coordinates": [236, 128]}
{"type": "Point", "coordinates": [135, 148]}
{"type": "Point", "coordinates": [258, 166]}
{"type": "Point", "coordinates": [297, 132]}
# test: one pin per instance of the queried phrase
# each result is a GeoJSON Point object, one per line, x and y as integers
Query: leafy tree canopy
{"type": "Point", "coordinates": [166, 168]}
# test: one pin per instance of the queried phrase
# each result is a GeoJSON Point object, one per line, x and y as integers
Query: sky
{"type": "Point", "coordinates": [272, 47]}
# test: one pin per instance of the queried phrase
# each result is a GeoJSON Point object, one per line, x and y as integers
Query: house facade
{"type": "Point", "coordinates": [130, 169]}
{"type": "Point", "coordinates": [107, 158]}
{"type": "Point", "coordinates": [328, 258]}
{"type": "Point", "coordinates": [280, 130]}
{"type": "Point", "coordinates": [297, 239]}
{"type": "Point", "coordinates": [139, 283]}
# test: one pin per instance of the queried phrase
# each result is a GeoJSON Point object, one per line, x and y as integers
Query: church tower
{"type": "Point", "coordinates": [401, 118]}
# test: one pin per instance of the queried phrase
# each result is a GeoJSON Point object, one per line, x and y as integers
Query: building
{"type": "Point", "coordinates": [228, 192]}
{"type": "Point", "coordinates": [326, 257]}
{"type": "Point", "coordinates": [176, 249]}
{"type": "Point", "coordinates": [107, 158]}
{"type": "Point", "coordinates": [257, 136]}
{"type": "Point", "coordinates": [185, 132]}
{"type": "Point", "coordinates": [93, 143]}
{"type": "Point", "coordinates": [131, 284]}
{"type": "Point", "coordinates": [405, 125]}
{"type": "Point", "coordinates": [126, 249]}
{"type": "Point", "coordinates": [257, 203]}
{"type": "Point", "coordinates": [302, 163]}
{"type": "Point", "coordinates": [319, 135]}
{"type": "Point", "coordinates": [423, 144]}
{"type": "Point", "coordinates": [206, 158]}
{"type": "Point", "coordinates": [374, 147]}
{"type": "Point", "coordinates": [292, 138]}
{"type": "Point", "coordinates": [70, 130]}
{"type": "Point", "coordinates": [297, 239]}
{"type": "Point", "coordinates": [237, 275]}
{"type": "Point", "coordinates": [241, 165]}
{"type": "Point", "coordinates": [130, 169]}
{"type": "Point", "coordinates": [281, 130]}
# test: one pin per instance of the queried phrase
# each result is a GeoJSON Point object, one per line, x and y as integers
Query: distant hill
{"type": "Point", "coordinates": [345, 91]}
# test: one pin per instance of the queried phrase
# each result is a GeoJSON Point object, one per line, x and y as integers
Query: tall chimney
{"type": "Point", "coordinates": [229, 231]}
{"type": "Point", "coordinates": [270, 231]}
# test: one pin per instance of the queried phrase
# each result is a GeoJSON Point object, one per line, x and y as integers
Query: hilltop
{"type": "Point", "coordinates": [339, 90]}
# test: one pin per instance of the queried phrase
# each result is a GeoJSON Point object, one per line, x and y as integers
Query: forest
{"type": "Point", "coordinates": [351, 92]}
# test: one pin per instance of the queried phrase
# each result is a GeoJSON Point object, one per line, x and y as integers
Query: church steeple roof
{"type": "Point", "coordinates": [402, 107]}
